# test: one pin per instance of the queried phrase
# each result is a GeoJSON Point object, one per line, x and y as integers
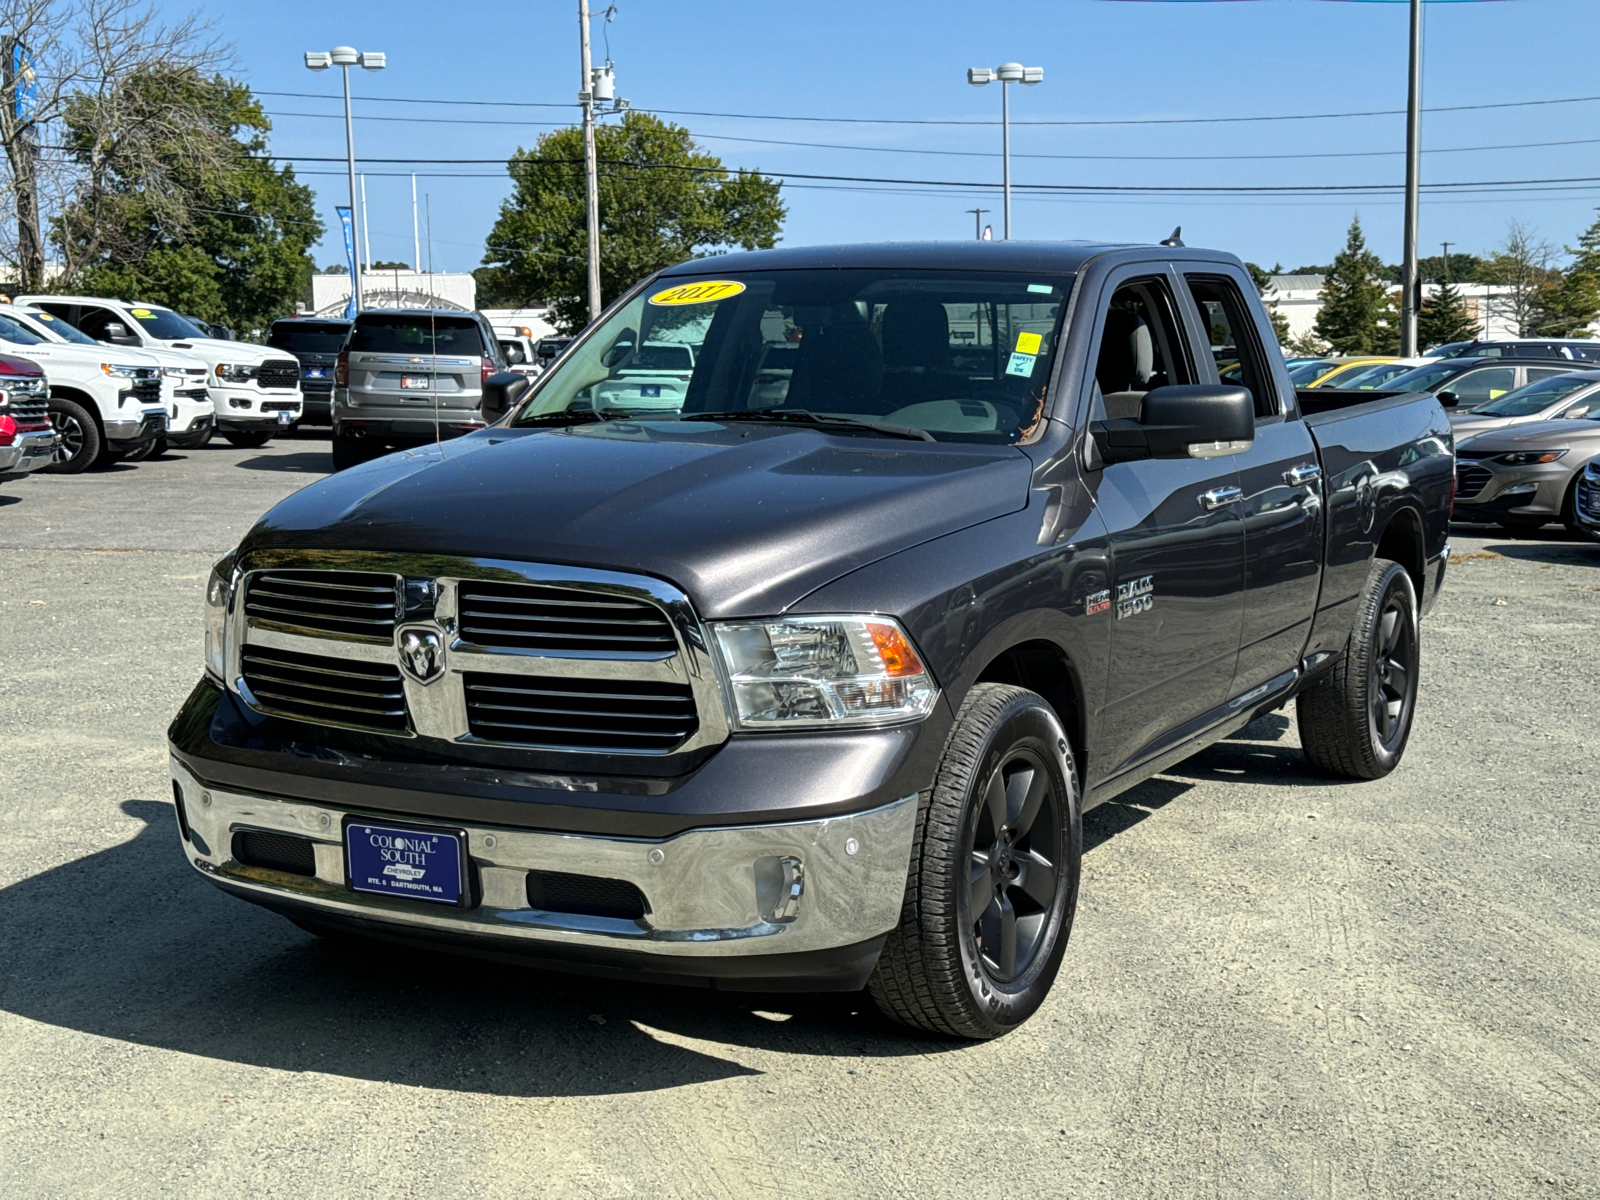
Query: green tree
{"type": "Point", "coordinates": [1444, 318]}
{"type": "Point", "coordinates": [180, 204]}
{"type": "Point", "coordinates": [1573, 305]}
{"type": "Point", "coordinates": [1262, 278]}
{"type": "Point", "coordinates": [1355, 301]}
{"type": "Point", "coordinates": [1521, 280]}
{"type": "Point", "coordinates": [662, 200]}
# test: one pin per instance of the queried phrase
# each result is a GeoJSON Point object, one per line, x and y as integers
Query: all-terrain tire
{"type": "Point", "coordinates": [938, 970]}
{"type": "Point", "coordinates": [1356, 720]}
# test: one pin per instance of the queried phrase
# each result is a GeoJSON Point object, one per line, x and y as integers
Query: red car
{"type": "Point", "coordinates": [27, 441]}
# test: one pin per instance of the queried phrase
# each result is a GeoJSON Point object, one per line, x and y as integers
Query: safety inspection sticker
{"type": "Point", "coordinates": [698, 293]}
{"type": "Point", "coordinates": [1021, 364]}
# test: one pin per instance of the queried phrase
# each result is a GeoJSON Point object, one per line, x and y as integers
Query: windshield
{"type": "Point", "coordinates": [165, 324]}
{"type": "Point", "coordinates": [961, 355]}
{"type": "Point", "coordinates": [59, 327]}
{"type": "Point", "coordinates": [1422, 379]}
{"type": "Point", "coordinates": [385, 333]}
{"type": "Point", "coordinates": [18, 334]}
{"type": "Point", "coordinates": [1375, 377]}
{"type": "Point", "coordinates": [1536, 397]}
{"type": "Point", "coordinates": [1303, 373]}
{"type": "Point", "coordinates": [308, 337]}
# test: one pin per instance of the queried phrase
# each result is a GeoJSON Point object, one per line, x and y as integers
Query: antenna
{"type": "Point", "coordinates": [1176, 240]}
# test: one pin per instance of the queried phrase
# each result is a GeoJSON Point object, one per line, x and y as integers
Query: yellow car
{"type": "Point", "coordinates": [1347, 368]}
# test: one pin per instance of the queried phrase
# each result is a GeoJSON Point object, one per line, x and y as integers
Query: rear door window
{"type": "Point", "coordinates": [1483, 385]}
{"type": "Point", "coordinates": [384, 333]}
{"type": "Point", "coordinates": [1235, 346]}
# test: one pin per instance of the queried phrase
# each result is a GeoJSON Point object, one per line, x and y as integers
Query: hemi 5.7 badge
{"type": "Point", "coordinates": [1097, 602]}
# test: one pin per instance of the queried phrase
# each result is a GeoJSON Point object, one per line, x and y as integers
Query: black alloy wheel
{"type": "Point", "coordinates": [1013, 865]}
{"type": "Point", "coordinates": [1356, 719]}
{"type": "Point", "coordinates": [79, 445]}
{"type": "Point", "coordinates": [992, 884]}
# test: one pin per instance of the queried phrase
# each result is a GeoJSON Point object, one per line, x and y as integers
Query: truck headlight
{"type": "Point", "coordinates": [813, 671]}
{"type": "Point", "coordinates": [173, 372]}
{"type": "Point", "coordinates": [236, 372]}
{"type": "Point", "coordinates": [118, 371]}
{"type": "Point", "coordinates": [219, 589]}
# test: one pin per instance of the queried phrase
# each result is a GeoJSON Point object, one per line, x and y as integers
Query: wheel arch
{"type": "Point", "coordinates": [1042, 666]}
{"type": "Point", "coordinates": [1403, 542]}
{"type": "Point", "coordinates": [79, 396]}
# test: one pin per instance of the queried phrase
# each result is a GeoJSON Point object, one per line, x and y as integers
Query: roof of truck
{"type": "Point", "coordinates": [1052, 257]}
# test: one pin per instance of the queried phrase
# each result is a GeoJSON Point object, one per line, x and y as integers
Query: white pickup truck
{"type": "Point", "coordinates": [104, 403]}
{"type": "Point", "coordinates": [254, 390]}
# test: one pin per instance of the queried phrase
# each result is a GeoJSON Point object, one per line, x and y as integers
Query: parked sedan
{"type": "Point", "coordinates": [1571, 395]}
{"type": "Point", "coordinates": [1469, 382]}
{"type": "Point", "coordinates": [1347, 369]}
{"type": "Point", "coordinates": [1374, 378]}
{"type": "Point", "coordinates": [1525, 476]}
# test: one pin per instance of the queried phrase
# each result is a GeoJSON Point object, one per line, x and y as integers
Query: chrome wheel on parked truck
{"type": "Point", "coordinates": [993, 881]}
{"type": "Point", "coordinates": [79, 444]}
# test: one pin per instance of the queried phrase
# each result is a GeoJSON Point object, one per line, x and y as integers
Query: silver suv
{"type": "Point", "coordinates": [407, 377]}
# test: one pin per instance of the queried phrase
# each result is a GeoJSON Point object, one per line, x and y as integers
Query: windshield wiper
{"type": "Point", "coordinates": [574, 416]}
{"type": "Point", "coordinates": [811, 418]}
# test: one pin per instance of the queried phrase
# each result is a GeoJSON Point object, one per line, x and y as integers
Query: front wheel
{"type": "Point", "coordinates": [1355, 721]}
{"type": "Point", "coordinates": [154, 448]}
{"type": "Point", "coordinates": [247, 439]}
{"type": "Point", "coordinates": [79, 442]}
{"type": "Point", "coordinates": [993, 879]}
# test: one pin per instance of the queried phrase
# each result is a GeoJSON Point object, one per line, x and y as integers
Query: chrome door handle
{"type": "Point", "coordinates": [1302, 475]}
{"type": "Point", "coordinates": [1220, 497]}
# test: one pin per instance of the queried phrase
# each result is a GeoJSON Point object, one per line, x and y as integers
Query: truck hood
{"type": "Point", "coordinates": [77, 354]}
{"type": "Point", "coordinates": [1539, 435]}
{"type": "Point", "coordinates": [216, 350]}
{"type": "Point", "coordinates": [745, 518]}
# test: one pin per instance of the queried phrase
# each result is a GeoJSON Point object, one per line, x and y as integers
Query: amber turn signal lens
{"type": "Point", "coordinates": [897, 655]}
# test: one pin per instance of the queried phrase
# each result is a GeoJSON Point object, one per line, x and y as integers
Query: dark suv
{"type": "Point", "coordinates": [316, 342]}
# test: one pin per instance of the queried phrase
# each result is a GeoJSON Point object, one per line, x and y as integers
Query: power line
{"type": "Point", "coordinates": [1383, 112]}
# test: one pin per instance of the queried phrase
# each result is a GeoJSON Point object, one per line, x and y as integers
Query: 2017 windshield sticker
{"type": "Point", "coordinates": [698, 293]}
{"type": "Point", "coordinates": [1028, 343]}
{"type": "Point", "coordinates": [1135, 596]}
{"type": "Point", "coordinates": [1021, 364]}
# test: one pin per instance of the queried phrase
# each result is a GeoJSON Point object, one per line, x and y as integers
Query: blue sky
{"type": "Point", "coordinates": [1102, 61]}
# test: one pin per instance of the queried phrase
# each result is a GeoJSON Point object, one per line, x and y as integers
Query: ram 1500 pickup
{"type": "Point", "coordinates": [807, 680]}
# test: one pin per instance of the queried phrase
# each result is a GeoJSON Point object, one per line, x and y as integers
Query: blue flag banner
{"type": "Point", "coordinates": [348, 223]}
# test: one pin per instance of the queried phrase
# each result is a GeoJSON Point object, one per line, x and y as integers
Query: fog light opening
{"type": "Point", "coordinates": [780, 884]}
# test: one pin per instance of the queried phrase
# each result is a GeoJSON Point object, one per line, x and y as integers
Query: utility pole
{"type": "Point", "coordinates": [416, 241]}
{"type": "Point", "coordinates": [977, 222]}
{"type": "Point", "coordinates": [1408, 273]}
{"type": "Point", "coordinates": [591, 190]}
{"type": "Point", "coordinates": [1447, 246]}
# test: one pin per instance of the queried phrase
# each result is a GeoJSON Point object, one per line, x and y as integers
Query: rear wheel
{"type": "Point", "coordinates": [349, 452]}
{"type": "Point", "coordinates": [81, 445]}
{"type": "Point", "coordinates": [993, 879]}
{"type": "Point", "coordinates": [247, 439]}
{"type": "Point", "coordinates": [1355, 721]}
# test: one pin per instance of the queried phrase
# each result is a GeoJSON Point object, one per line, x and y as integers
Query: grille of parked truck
{"type": "Point", "coordinates": [28, 441]}
{"type": "Point", "coordinates": [802, 673]}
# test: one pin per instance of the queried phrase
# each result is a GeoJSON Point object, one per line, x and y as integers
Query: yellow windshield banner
{"type": "Point", "coordinates": [698, 293]}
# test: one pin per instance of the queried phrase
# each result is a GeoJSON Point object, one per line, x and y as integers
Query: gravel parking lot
{"type": "Point", "coordinates": [1277, 987]}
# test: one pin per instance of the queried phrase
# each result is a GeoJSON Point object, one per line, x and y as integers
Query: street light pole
{"type": "Point", "coordinates": [977, 222]}
{"type": "Point", "coordinates": [1408, 274]}
{"type": "Point", "coordinates": [345, 57]}
{"type": "Point", "coordinates": [591, 191]}
{"type": "Point", "coordinates": [1006, 73]}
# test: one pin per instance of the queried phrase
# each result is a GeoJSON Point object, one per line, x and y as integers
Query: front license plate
{"type": "Point", "coordinates": [414, 382]}
{"type": "Point", "coordinates": [316, 372]}
{"type": "Point", "coordinates": [394, 860]}
{"type": "Point", "coordinates": [650, 389]}
{"type": "Point", "coordinates": [285, 417]}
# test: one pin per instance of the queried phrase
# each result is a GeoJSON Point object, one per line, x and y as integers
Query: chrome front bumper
{"type": "Point", "coordinates": [716, 892]}
{"type": "Point", "coordinates": [30, 451]}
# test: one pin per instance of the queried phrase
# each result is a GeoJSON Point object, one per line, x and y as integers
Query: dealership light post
{"type": "Point", "coordinates": [1410, 285]}
{"type": "Point", "coordinates": [347, 57]}
{"type": "Point", "coordinates": [1006, 73]}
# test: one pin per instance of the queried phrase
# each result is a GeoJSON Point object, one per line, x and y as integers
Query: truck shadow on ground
{"type": "Point", "coordinates": [311, 462]}
{"type": "Point", "coordinates": [130, 944]}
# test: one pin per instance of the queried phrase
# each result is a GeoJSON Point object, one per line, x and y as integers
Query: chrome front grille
{"type": "Point", "coordinates": [580, 714]}
{"type": "Point", "coordinates": [1470, 481]}
{"type": "Point", "coordinates": [519, 616]}
{"type": "Point", "coordinates": [29, 409]}
{"type": "Point", "coordinates": [148, 391]}
{"type": "Point", "coordinates": [324, 689]}
{"type": "Point", "coordinates": [484, 653]}
{"type": "Point", "coordinates": [279, 373]}
{"type": "Point", "coordinates": [352, 603]}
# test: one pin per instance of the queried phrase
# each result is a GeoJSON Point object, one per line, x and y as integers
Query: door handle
{"type": "Point", "coordinates": [1220, 497]}
{"type": "Point", "coordinates": [1302, 475]}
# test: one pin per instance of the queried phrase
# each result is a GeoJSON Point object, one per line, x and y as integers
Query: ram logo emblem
{"type": "Point", "coordinates": [422, 653]}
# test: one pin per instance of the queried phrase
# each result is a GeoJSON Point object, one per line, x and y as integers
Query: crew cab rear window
{"type": "Point", "coordinates": [397, 333]}
{"type": "Point", "coordinates": [308, 337]}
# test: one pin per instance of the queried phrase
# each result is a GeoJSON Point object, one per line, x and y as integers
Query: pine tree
{"type": "Point", "coordinates": [1574, 303]}
{"type": "Point", "coordinates": [1444, 318]}
{"type": "Point", "coordinates": [1354, 298]}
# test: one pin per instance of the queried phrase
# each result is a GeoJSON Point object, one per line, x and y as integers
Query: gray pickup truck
{"type": "Point", "coordinates": [807, 679]}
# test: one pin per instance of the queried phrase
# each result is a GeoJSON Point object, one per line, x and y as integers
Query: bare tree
{"type": "Point", "coordinates": [61, 54]}
{"type": "Point", "coordinates": [1521, 273]}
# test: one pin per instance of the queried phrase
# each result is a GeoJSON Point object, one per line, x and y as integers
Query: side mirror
{"type": "Point", "coordinates": [501, 392]}
{"type": "Point", "coordinates": [118, 335]}
{"type": "Point", "coordinates": [1576, 414]}
{"type": "Point", "coordinates": [1446, 398]}
{"type": "Point", "coordinates": [1182, 421]}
